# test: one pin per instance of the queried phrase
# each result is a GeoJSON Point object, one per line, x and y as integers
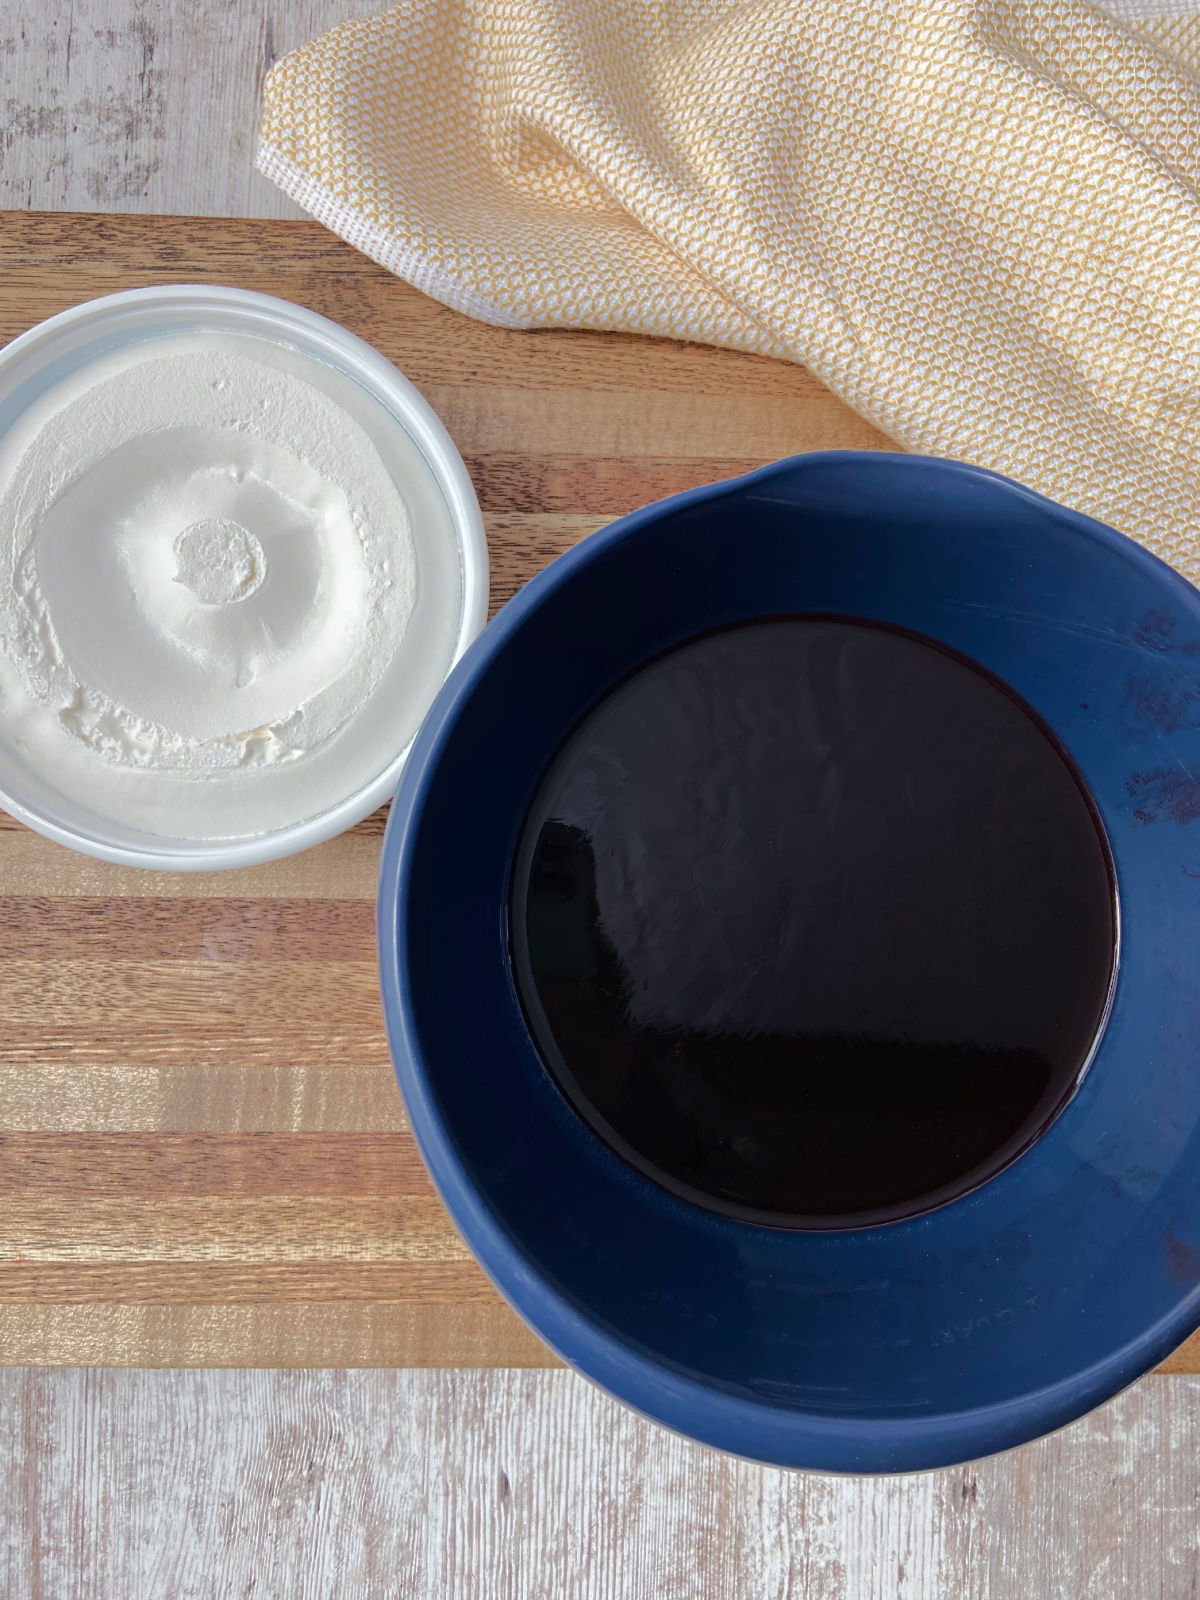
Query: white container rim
{"type": "Point", "coordinates": [266, 314]}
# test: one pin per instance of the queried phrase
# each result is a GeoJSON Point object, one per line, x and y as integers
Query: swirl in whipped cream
{"type": "Point", "coordinates": [210, 571]}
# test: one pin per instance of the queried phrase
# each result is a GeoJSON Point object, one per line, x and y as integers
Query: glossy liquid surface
{"type": "Point", "coordinates": [813, 923]}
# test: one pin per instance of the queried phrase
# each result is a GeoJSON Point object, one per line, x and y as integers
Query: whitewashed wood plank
{"type": "Point", "coordinates": [534, 1486]}
{"type": "Point", "coordinates": [144, 105]}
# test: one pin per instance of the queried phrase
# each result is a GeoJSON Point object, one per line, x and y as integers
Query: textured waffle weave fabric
{"type": "Point", "coordinates": [978, 221]}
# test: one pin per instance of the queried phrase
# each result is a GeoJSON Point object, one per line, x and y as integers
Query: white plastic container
{"type": "Point", "coordinates": [60, 346]}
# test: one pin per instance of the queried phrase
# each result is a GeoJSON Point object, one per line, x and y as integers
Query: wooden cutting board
{"type": "Point", "coordinates": [204, 1159]}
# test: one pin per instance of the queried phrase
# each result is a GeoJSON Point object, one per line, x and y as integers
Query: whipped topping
{"type": "Point", "coordinates": [229, 586]}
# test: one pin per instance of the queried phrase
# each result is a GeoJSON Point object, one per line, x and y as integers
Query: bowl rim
{"type": "Point", "coordinates": [751, 1429]}
{"type": "Point", "coordinates": [397, 394]}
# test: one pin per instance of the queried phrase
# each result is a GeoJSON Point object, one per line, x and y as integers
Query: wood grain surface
{"type": "Point", "coordinates": [144, 105]}
{"type": "Point", "coordinates": [204, 1160]}
{"type": "Point", "coordinates": [534, 1486]}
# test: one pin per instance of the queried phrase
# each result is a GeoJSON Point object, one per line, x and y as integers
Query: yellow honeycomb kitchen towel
{"type": "Point", "coordinates": [978, 221]}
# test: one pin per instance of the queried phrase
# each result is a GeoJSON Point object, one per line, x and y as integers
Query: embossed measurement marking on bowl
{"type": "Point", "coordinates": [231, 585]}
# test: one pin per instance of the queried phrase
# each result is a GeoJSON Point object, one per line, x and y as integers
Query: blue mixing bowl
{"type": "Point", "coordinates": [981, 1324]}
